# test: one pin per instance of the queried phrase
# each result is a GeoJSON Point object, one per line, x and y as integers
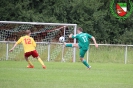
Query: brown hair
{"type": "Point", "coordinates": [27, 32]}
{"type": "Point", "coordinates": [80, 29]}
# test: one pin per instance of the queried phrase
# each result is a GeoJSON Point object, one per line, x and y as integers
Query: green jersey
{"type": "Point", "coordinates": [83, 40]}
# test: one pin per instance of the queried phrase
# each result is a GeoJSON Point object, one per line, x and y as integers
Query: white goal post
{"type": "Point", "coordinates": [45, 34]}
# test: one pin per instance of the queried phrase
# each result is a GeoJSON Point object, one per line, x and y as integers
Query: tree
{"type": "Point", "coordinates": [93, 16]}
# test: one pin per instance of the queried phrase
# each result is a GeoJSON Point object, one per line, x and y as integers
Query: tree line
{"type": "Point", "coordinates": [94, 16]}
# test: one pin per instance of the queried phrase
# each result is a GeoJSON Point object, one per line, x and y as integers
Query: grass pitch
{"type": "Point", "coordinates": [14, 74]}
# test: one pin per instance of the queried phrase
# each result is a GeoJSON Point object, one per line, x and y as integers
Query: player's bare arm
{"type": "Point", "coordinates": [94, 40]}
{"type": "Point", "coordinates": [19, 41]}
{"type": "Point", "coordinates": [13, 47]}
{"type": "Point", "coordinates": [70, 36]}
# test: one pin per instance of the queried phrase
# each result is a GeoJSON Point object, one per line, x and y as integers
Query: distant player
{"type": "Point", "coordinates": [29, 46]}
{"type": "Point", "coordinates": [83, 44]}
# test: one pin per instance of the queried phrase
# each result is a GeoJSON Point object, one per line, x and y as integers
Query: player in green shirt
{"type": "Point", "coordinates": [83, 44]}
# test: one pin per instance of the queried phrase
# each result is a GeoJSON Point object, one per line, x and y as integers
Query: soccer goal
{"type": "Point", "coordinates": [45, 34]}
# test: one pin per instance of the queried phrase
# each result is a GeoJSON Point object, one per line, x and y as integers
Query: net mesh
{"type": "Point", "coordinates": [40, 33]}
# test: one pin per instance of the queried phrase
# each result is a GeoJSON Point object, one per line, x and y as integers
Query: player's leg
{"type": "Point", "coordinates": [42, 63]}
{"type": "Point", "coordinates": [30, 65]}
{"type": "Point", "coordinates": [71, 45]}
{"type": "Point", "coordinates": [35, 55]}
{"type": "Point", "coordinates": [82, 54]}
{"type": "Point", "coordinates": [68, 45]}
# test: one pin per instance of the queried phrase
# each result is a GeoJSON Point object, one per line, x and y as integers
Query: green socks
{"type": "Point", "coordinates": [85, 63]}
{"type": "Point", "coordinates": [69, 45]}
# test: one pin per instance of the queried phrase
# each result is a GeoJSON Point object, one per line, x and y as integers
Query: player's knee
{"type": "Point", "coordinates": [75, 45]}
{"type": "Point", "coordinates": [37, 57]}
{"type": "Point", "coordinates": [81, 58]}
{"type": "Point", "coordinates": [26, 58]}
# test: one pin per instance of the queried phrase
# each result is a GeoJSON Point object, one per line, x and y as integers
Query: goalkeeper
{"type": "Point", "coordinates": [83, 44]}
{"type": "Point", "coordinates": [29, 48]}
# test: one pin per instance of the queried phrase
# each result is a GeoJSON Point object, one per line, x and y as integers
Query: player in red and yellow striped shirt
{"type": "Point", "coordinates": [29, 48]}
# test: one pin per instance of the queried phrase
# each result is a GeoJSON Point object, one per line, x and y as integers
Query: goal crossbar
{"type": "Point", "coordinates": [38, 23]}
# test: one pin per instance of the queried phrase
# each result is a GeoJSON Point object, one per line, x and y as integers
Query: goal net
{"type": "Point", "coordinates": [45, 34]}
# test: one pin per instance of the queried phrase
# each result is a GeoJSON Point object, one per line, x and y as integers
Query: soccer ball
{"type": "Point", "coordinates": [61, 39]}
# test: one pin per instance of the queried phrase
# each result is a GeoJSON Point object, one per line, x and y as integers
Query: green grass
{"type": "Point", "coordinates": [14, 74]}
